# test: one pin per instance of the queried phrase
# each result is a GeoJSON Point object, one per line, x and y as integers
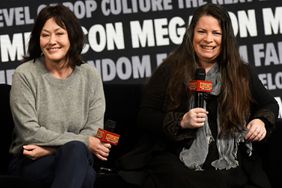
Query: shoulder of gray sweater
{"type": "Point", "coordinates": [90, 71]}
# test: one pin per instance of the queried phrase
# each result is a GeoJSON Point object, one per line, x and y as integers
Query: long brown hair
{"type": "Point", "coordinates": [235, 96]}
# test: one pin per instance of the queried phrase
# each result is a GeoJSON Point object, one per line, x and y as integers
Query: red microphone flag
{"type": "Point", "coordinates": [203, 86]}
{"type": "Point", "coordinates": [107, 136]}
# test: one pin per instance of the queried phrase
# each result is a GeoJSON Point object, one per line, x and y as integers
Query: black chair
{"type": "Point", "coordinates": [273, 159]}
{"type": "Point", "coordinates": [7, 125]}
{"type": "Point", "coordinates": [122, 106]}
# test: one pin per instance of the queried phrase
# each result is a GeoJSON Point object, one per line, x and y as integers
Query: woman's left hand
{"type": "Point", "coordinates": [100, 149]}
{"type": "Point", "coordinates": [34, 152]}
{"type": "Point", "coordinates": [256, 130]}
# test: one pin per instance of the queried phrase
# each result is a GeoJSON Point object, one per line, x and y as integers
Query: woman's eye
{"type": "Point", "coordinates": [44, 35]}
{"type": "Point", "coordinates": [60, 33]}
{"type": "Point", "coordinates": [201, 31]}
{"type": "Point", "coordinates": [217, 33]}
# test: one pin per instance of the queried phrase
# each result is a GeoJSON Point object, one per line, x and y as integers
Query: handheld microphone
{"type": "Point", "coordinates": [199, 86]}
{"type": "Point", "coordinates": [107, 135]}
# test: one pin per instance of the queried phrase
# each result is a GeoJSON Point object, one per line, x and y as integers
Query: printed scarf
{"type": "Point", "coordinates": [195, 156]}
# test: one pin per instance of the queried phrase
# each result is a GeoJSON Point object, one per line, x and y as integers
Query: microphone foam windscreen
{"type": "Point", "coordinates": [200, 74]}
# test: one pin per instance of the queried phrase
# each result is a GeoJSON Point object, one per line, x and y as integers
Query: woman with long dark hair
{"type": "Point", "coordinates": [211, 145]}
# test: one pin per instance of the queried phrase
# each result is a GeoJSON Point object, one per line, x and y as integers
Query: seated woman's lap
{"type": "Point", "coordinates": [166, 170]}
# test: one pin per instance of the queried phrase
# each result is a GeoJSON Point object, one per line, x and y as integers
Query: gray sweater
{"type": "Point", "coordinates": [51, 112]}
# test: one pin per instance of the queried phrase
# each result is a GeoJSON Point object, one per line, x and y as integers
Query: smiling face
{"type": "Point", "coordinates": [207, 39]}
{"type": "Point", "coordinates": [54, 42]}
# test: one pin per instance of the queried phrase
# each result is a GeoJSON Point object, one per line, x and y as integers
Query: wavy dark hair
{"type": "Point", "coordinates": [65, 19]}
{"type": "Point", "coordinates": [235, 97]}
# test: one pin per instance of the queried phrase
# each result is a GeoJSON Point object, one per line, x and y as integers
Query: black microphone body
{"type": "Point", "coordinates": [195, 86]}
{"type": "Point", "coordinates": [110, 125]}
{"type": "Point", "coordinates": [107, 134]}
{"type": "Point", "coordinates": [199, 100]}
{"type": "Point", "coordinates": [198, 95]}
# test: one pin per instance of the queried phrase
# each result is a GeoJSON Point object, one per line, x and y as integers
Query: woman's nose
{"type": "Point", "coordinates": [52, 39]}
{"type": "Point", "coordinates": [209, 37]}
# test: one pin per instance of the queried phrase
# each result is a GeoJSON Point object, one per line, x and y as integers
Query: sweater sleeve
{"type": "Point", "coordinates": [97, 106]}
{"type": "Point", "coordinates": [152, 112]}
{"type": "Point", "coordinates": [154, 116]}
{"type": "Point", "coordinates": [265, 107]}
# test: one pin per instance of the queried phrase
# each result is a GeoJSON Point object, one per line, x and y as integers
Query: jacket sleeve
{"type": "Point", "coordinates": [154, 116]}
{"type": "Point", "coordinates": [264, 107]}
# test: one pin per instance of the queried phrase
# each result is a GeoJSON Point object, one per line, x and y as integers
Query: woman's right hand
{"type": "Point", "coordinates": [194, 118]}
{"type": "Point", "coordinates": [35, 152]}
{"type": "Point", "coordinates": [100, 149]}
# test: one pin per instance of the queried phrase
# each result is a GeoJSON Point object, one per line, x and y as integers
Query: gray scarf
{"type": "Point", "coordinates": [195, 156]}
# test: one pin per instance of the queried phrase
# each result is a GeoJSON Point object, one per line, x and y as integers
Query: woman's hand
{"type": "Point", "coordinates": [194, 118]}
{"type": "Point", "coordinates": [34, 152]}
{"type": "Point", "coordinates": [256, 130]}
{"type": "Point", "coordinates": [100, 149]}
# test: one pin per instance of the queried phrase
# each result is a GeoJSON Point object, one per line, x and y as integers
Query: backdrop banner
{"type": "Point", "coordinates": [127, 39]}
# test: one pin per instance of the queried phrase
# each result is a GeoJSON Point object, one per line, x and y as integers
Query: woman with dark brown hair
{"type": "Point", "coordinates": [211, 145]}
{"type": "Point", "coordinates": [58, 104]}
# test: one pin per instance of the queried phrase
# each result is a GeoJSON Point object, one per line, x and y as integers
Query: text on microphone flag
{"type": "Point", "coordinates": [204, 86]}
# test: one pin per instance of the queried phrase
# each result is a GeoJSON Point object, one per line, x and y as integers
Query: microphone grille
{"type": "Point", "coordinates": [200, 74]}
{"type": "Point", "coordinates": [110, 125]}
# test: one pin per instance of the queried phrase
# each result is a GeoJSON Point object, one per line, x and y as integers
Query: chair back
{"type": "Point", "coordinates": [6, 125]}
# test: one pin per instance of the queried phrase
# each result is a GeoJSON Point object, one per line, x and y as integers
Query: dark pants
{"type": "Point", "coordinates": [71, 166]}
